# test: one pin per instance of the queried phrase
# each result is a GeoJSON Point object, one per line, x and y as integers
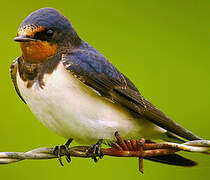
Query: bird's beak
{"type": "Point", "coordinates": [23, 39]}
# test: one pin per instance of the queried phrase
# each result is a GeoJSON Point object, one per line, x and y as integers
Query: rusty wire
{"type": "Point", "coordinates": [150, 149]}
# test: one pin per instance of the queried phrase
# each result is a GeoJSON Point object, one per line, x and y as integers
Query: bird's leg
{"type": "Point", "coordinates": [130, 145]}
{"type": "Point", "coordinates": [63, 150]}
{"type": "Point", "coordinates": [95, 149]}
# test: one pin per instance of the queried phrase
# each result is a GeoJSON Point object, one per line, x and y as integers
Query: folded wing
{"type": "Point", "coordinates": [97, 72]}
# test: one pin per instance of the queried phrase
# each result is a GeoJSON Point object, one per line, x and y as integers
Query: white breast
{"type": "Point", "coordinates": [73, 110]}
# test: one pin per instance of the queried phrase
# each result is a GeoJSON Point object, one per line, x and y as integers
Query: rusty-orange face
{"type": "Point", "coordinates": [33, 48]}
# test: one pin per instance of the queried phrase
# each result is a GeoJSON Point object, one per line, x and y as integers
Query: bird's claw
{"type": "Point", "coordinates": [95, 150]}
{"type": "Point", "coordinates": [63, 150]}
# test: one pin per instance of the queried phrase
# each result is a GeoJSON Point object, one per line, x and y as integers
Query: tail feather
{"type": "Point", "coordinates": [171, 137]}
{"type": "Point", "coordinates": [173, 159]}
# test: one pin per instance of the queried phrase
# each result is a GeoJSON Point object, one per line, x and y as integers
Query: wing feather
{"type": "Point", "coordinates": [13, 74]}
{"type": "Point", "coordinates": [97, 72]}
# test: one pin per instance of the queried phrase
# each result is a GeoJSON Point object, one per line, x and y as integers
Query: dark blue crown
{"type": "Point", "coordinates": [48, 18]}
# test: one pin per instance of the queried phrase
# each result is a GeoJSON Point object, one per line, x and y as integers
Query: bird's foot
{"type": "Point", "coordinates": [130, 145]}
{"type": "Point", "coordinates": [95, 150]}
{"type": "Point", "coordinates": [63, 150]}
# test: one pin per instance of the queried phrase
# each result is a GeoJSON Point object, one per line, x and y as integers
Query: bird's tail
{"type": "Point", "coordinates": [173, 159]}
{"type": "Point", "coordinates": [171, 137]}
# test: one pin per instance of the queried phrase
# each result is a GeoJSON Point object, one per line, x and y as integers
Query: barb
{"type": "Point", "coordinates": [121, 148]}
{"type": "Point", "coordinates": [149, 150]}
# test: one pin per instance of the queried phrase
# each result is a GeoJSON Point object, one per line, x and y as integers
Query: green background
{"type": "Point", "coordinates": [162, 46]}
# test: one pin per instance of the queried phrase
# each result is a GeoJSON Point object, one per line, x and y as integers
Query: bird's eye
{"type": "Point", "coordinates": [45, 35]}
{"type": "Point", "coordinates": [49, 33]}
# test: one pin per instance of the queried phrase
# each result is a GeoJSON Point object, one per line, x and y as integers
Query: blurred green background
{"type": "Point", "coordinates": [162, 46]}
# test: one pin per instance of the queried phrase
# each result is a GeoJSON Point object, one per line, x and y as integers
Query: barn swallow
{"type": "Point", "coordinates": [77, 93]}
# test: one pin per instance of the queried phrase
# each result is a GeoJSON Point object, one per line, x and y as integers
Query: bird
{"type": "Point", "coordinates": [80, 95]}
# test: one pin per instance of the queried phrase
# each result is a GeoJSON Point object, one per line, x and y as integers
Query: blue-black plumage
{"type": "Point", "coordinates": [75, 91]}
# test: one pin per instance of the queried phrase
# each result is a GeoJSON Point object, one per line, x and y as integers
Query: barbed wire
{"type": "Point", "coordinates": [200, 146]}
{"type": "Point", "coordinates": [119, 149]}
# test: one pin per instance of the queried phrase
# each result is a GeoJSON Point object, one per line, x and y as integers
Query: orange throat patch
{"type": "Point", "coordinates": [37, 51]}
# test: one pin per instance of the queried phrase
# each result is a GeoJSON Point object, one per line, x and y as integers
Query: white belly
{"type": "Point", "coordinates": [73, 110]}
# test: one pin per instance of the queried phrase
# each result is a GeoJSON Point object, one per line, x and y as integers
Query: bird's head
{"type": "Point", "coordinates": [44, 33]}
